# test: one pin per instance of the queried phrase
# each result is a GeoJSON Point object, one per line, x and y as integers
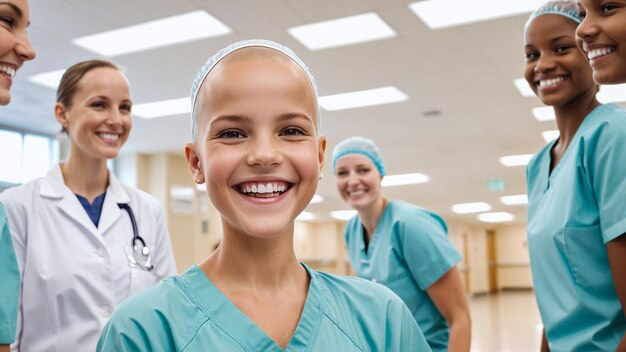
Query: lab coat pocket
{"type": "Point", "coordinates": [587, 257]}
{"type": "Point", "coordinates": [141, 279]}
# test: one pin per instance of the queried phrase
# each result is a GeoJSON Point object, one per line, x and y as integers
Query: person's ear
{"type": "Point", "coordinates": [321, 148]}
{"type": "Point", "coordinates": [193, 161]}
{"type": "Point", "coordinates": [60, 112]}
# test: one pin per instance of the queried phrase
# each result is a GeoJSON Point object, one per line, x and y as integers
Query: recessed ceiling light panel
{"type": "Point", "coordinates": [404, 179]}
{"type": "Point", "coordinates": [363, 98]}
{"type": "Point", "coordinates": [49, 79]}
{"type": "Point", "coordinates": [496, 217]}
{"type": "Point", "coordinates": [544, 113]}
{"type": "Point", "coordinates": [468, 208]}
{"type": "Point", "coordinates": [163, 108]}
{"type": "Point", "coordinates": [343, 215]}
{"type": "Point", "coordinates": [549, 136]}
{"type": "Point", "coordinates": [448, 13]}
{"type": "Point", "coordinates": [167, 31]}
{"type": "Point", "coordinates": [342, 31]}
{"type": "Point", "coordinates": [612, 93]}
{"type": "Point", "coordinates": [514, 200]}
{"type": "Point", "coordinates": [523, 88]}
{"type": "Point", "coordinates": [516, 160]}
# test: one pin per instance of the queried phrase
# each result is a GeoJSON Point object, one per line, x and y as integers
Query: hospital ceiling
{"type": "Point", "coordinates": [462, 115]}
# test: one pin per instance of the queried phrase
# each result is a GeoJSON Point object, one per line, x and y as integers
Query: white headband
{"type": "Point", "coordinates": [215, 59]}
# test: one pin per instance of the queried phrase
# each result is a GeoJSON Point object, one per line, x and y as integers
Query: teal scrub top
{"type": "Point", "coordinates": [408, 252]}
{"type": "Point", "coordinates": [10, 289]}
{"type": "Point", "coordinates": [189, 313]}
{"type": "Point", "coordinates": [572, 213]}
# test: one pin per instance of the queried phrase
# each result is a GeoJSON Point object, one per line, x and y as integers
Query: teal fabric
{"type": "Point", "coordinates": [358, 145]}
{"type": "Point", "coordinates": [189, 313]}
{"type": "Point", "coordinates": [408, 252]}
{"type": "Point", "coordinates": [10, 283]}
{"type": "Point", "coordinates": [572, 213]}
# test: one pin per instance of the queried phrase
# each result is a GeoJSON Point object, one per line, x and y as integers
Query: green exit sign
{"type": "Point", "coordinates": [495, 185]}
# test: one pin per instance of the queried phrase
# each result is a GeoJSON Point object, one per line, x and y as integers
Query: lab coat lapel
{"type": "Point", "coordinates": [110, 210]}
{"type": "Point", "coordinates": [54, 187]}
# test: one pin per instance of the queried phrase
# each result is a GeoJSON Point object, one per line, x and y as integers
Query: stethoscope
{"type": "Point", "coordinates": [132, 254]}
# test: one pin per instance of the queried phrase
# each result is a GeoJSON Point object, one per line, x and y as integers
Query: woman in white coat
{"type": "Point", "coordinates": [72, 229]}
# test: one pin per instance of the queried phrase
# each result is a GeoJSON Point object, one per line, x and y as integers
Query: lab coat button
{"type": "Point", "coordinates": [105, 311]}
{"type": "Point", "coordinates": [100, 252]}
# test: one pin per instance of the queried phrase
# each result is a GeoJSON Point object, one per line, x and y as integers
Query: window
{"type": "Point", "coordinates": [25, 157]}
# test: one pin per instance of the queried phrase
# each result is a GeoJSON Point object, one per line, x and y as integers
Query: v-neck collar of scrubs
{"type": "Point", "coordinates": [367, 253]}
{"type": "Point", "coordinates": [552, 174]}
{"type": "Point", "coordinates": [225, 314]}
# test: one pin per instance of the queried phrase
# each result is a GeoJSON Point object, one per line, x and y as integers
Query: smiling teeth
{"type": "Point", "coordinates": [10, 71]}
{"type": "Point", "coordinates": [551, 81]}
{"type": "Point", "coordinates": [109, 136]}
{"type": "Point", "coordinates": [592, 54]}
{"type": "Point", "coordinates": [270, 187]}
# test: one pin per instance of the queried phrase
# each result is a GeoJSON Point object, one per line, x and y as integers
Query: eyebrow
{"type": "Point", "coordinates": [295, 116]}
{"type": "Point", "coordinates": [562, 37]}
{"type": "Point", "coordinates": [104, 97]}
{"type": "Point", "coordinates": [230, 118]}
{"type": "Point", "coordinates": [527, 46]}
{"type": "Point", "coordinates": [17, 10]}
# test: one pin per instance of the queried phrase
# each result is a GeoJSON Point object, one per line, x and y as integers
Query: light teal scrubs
{"type": "Point", "coordinates": [408, 252]}
{"type": "Point", "coordinates": [572, 213]}
{"type": "Point", "coordinates": [9, 283]}
{"type": "Point", "coordinates": [189, 313]}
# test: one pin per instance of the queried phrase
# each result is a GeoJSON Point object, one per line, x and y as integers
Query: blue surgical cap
{"type": "Point", "coordinates": [565, 8]}
{"type": "Point", "coordinates": [358, 145]}
{"type": "Point", "coordinates": [215, 59]}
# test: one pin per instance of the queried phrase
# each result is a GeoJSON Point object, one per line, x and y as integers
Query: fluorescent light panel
{"type": "Point", "coordinates": [523, 88]}
{"type": "Point", "coordinates": [172, 30]}
{"type": "Point", "coordinates": [447, 13]}
{"type": "Point", "coordinates": [514, 200]}
{"type": "Point", "coordinates": [48, 79]}
{"type": "Point", "coordinates": [163, 108]}
{"type": "Point", "coordinates": [549, 136]}
{"type": "Point", "coordinates": [468, 208]}
{"type": "Point", "coordinates": [343, 215]}
{"type": "Point", "coordinates": [306, 216]}
{"type": "Point", "coordinates": [496, 217]}
{"type": "Point", "coordinates": [608, 94]}
{"type": "Point", "coordinates": [404, 179]}
{"type": "Point", "coordinates": [544, 113]}
{"type": "Point", "coordinates": [612, 93]}
{"type": "Point", "coordinates": [317, 199]}
{"type": "Point", "coordinates": [516, 160]}
{"type": "Point", "coordinates": [342, 31]}
{"type": "Point", "coordinates": [363, 98]}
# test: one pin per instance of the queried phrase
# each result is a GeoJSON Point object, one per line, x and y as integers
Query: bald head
{"type": "Point", "coordinates": [248, 50]}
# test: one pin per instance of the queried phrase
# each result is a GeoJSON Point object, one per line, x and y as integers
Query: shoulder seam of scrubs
{"type": "Point", "coordinates": [326, 314]}
{"type": "Point", "coordinates": [196, 330]}
{"type": "Point", "coordinates": [209, 313]}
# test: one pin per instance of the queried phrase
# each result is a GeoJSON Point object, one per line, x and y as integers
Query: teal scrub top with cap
{"type": "Point", "coordinates": [10, 283]}
{"type": "Point", "coordinates": [573, 212]}
{"type": "Point", "coordinates": [408, 252]}
{"type": "Point", "coordinates": [189, 313]}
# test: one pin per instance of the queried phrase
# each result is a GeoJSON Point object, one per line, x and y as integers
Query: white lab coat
{"type": "Point", "coordinates": [74, 274]}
